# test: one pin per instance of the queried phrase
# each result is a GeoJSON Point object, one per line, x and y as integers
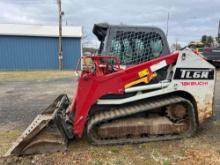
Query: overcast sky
{"type": "Point", "coordinates": [189, 19]}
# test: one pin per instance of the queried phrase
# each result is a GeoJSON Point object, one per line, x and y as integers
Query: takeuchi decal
{"type": "Point", "coordinates": [194, 83]}
{"type": "Point", "coordinates": [194, 74]}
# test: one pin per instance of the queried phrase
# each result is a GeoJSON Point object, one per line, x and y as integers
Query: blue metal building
{"type": "Point", "coordinates": [35, 47]}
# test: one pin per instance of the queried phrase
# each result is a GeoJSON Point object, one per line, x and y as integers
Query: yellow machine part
{"type": "Point", "coordinates": [145, 77]}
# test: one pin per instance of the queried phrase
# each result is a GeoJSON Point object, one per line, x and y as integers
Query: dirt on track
{"type": "Point", "coordinates": [21, 100]}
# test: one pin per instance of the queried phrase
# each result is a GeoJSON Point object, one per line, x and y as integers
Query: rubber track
{"type": "Point", "coordinates": [136, 108]}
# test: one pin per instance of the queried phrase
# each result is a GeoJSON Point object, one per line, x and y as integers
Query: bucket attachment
{"type": "Point", "coordinates": [47, 133]}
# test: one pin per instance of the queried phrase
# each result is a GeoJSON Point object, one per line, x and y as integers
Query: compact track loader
{"type": "Point", "coordinates": [133, 91]}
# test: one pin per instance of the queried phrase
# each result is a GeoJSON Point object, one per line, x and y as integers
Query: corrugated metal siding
{"type": "Point", "coordinates": [34, 53]}
{"type": "Point", "coordinates": [71, 52]}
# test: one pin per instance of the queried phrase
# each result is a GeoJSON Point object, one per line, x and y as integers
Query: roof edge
{"type": "Point", "coordinates": [40, 30]}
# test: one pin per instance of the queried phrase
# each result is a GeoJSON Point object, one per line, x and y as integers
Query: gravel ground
{"type": "Point", "coordinates": [21, 101]}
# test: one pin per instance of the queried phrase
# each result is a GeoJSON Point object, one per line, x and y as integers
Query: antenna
{"type": "Point", "coordinates": [168, 18]}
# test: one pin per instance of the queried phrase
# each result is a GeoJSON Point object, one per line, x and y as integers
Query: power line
{"type": "Point", "coordinates": [31, 2]}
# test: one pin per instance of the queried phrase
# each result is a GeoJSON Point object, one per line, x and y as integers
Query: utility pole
{"type": "Point", "coordinates": [168, 18]}
{"type": "Point", "coordinates": [219, 32]}
{"type": "Point", "coordinates": [60, 51]}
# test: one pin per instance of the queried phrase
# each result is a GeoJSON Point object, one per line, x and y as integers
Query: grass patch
{"type": "Point", "coordinates": [115, 149]}
{"type": "Point", "coordinates": [217, 123]}
{"type": "Point", "coordinates": [7, 137]}
{"type": "Point", "coordinates": [96, 162]}
{"type": "Point", "coordinates": [33, 75]}
{"type": "Point", "coordinates": [166, 162]}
